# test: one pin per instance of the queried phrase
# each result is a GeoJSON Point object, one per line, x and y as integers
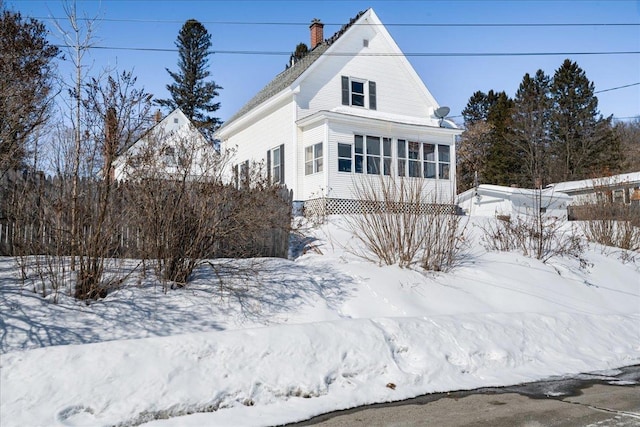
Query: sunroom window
{"type": "Point", "coordinates": [344, 157]}
{"type": "Point", "coordinates": [444, 161]}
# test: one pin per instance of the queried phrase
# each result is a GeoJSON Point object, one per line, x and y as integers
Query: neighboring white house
{"type": "Point", "coordinates": [172, 147]}
{"type": "Point", "coordinates": [623, 188]}
{"type": "Point", "coordinates": [352, 107]}
{"type": "Point", "coordinates": [496, 200]}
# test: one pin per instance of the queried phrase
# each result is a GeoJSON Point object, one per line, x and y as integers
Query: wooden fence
{"type": "Point", "coordinates": [35, 219]}
{"type": "Point", "coordinates": [605, 211]}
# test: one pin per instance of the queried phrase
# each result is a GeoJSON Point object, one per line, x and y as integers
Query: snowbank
{"type": "Point", "coordinates": [327, 331]}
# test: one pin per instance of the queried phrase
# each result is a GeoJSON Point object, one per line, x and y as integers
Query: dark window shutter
{"type": "Point", "coordinates": [345, 90]}
{"type": "Point", "coordinates": [235, 176]}
{"type": "Point", "coordinates": [269, 166]}
{"type": "Point", "coordinates": [372, 96]}
{"type": "Point", "coordinates": [282, 164]}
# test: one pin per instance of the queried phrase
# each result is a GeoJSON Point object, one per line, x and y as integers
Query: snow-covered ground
{"type": "Point", "coordinates": [290, 339]}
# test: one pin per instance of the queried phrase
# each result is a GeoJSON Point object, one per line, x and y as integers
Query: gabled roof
{"type": "Point", "coordinates": [291, 74]}
{"type": "Point", "coordinates": [162, 124]}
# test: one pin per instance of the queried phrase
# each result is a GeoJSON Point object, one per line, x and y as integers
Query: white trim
{"type": "Point", "coordinates": [368, 121]}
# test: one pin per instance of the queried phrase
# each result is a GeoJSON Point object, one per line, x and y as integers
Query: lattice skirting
{"type": "Point", "coordinates": [326, 206]}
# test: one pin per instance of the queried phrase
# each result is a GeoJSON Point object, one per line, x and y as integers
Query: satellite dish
{"type": "Point", "coordinates": [441, 112]}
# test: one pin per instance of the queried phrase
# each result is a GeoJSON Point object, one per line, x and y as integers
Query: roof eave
{"type": "Point", "coordinates": [239, 123]}
{"type": "Point", "coordinates": [352, 118]}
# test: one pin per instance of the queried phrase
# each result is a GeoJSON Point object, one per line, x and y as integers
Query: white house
{"type": "Point", "coordinates": [623, 188]}
{"type": "Point", "coordinates": [497, 200]}
{"type": "Point", "coordinates": [352, 107]}
{"type": "Point", "coordinates": [172, 147]}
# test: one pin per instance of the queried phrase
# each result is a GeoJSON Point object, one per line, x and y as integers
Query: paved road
{"type": "Point", "coordinates": [596, 400]}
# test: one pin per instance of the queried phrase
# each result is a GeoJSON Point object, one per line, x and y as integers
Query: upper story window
{"type": "Point", "coordinates": [359, 93]}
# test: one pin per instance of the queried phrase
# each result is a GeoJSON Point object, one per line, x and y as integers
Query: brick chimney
{"type": "Point", "coordinates": [316, 32]}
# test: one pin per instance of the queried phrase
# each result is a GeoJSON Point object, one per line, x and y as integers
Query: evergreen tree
{"type": "Point", "coordinates": [300, 52]}
{"type": "Point", "coordinates": [583, 143]}
{"type": "Point", "coordinates": [477, 108]}
{"type": "Point", "coordinates": [529, 134]}
{"type": "Point", "coordinates": [190, 91]}
{"type": "Point", "coordinates": [26, 84]}
{"type": "Point", "coordinates": [503, 164]}
{"type": "Point", "coordinates": [500, 165]}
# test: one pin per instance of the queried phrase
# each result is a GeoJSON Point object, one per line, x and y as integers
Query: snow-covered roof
{"type": "Point", "coordinates": [632, 178]}
{"type": "Point", "coordinates": [511, 193]}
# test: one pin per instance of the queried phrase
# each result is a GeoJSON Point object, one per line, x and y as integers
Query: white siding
{"type": "Point", "coordinates": [268, 132]}
{"type": "Point", "coordinates": [398, 91]}
{"type": "Point", "coordinates": [404, 110]}
{"type": "Point", "coordinates": [314, 185]}
{"type": "Point", "coordinates": [177, 132]}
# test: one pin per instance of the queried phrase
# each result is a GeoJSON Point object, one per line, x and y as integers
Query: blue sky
{"type": "Point", "coordinates": [250, 26]}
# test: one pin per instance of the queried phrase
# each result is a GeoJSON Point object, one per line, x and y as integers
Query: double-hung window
{"type": "Point", "coordinates": [386, 156]}
{"type": "Point", "coordinates": [358, 146]}
{"type": "Point", "coordinates": [275, 165]}
{"type": "Point", "coordinates": [373, 155]}
{"type": "Point", "coordinates": [429, 154]}
{"type": "Point", "coordinates": [444, 161]}
{"type": "Point", "coordinates": [359, 93]}
{"type": "Point", "coordinates": [414, 159]}
{"type": "Point", "coordinates": [313, 159]}
{"type": "Point", "coordinates": [402, 157]}
{"type": "Point", "coordinates": [169, 155]}
{"type": "Point", "coordinates": [344, 157]}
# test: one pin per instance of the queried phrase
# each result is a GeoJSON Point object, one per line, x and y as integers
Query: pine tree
{"type": "Point", "coordinates": [300, 52]}
{"type": "Point", "coordinates": [583, 143]}
{"type": "Point", "coordinates": [26, 85]}
{"type": "Point", "coordinates": [477, 108]}
{"type": "Point", "coordinates": [190, 91]}
{"type": "Point", "coordinates": [529, 133]}
{"type": "Point", "coordinates": [501, 165]}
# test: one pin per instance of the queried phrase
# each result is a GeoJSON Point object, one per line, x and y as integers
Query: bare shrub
{"type": "Point", "coordinates": [399, 225]}
{"type": "Point", "coordinates": [539, 236]}
{"type": "Point", "coordinates": [541, 240]}
{"type": "Point", "coordinates": [613, 224]}
{"type": "Point", "coordinates": [35, 234]}
{"type": "Point", "coordinates": [186, 213]}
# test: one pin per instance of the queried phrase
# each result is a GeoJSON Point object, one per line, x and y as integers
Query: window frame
{"type": "Point", "coordinates": [315, 163]}
{"type": "Point", "coordinates": [276, 167]}
{"type": "Point", "coordinates": [368, 95]}
{"type": "Point", "coordinates": [275, 170]}
{"type": "Point", "coordinates": [353, 93]}
{"type": "Point", "coordinates": [444, 167]}
{"type": "Point", "coordinates": [343, 159]}
{"type": "Point", "coordinates": [398, 157]}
